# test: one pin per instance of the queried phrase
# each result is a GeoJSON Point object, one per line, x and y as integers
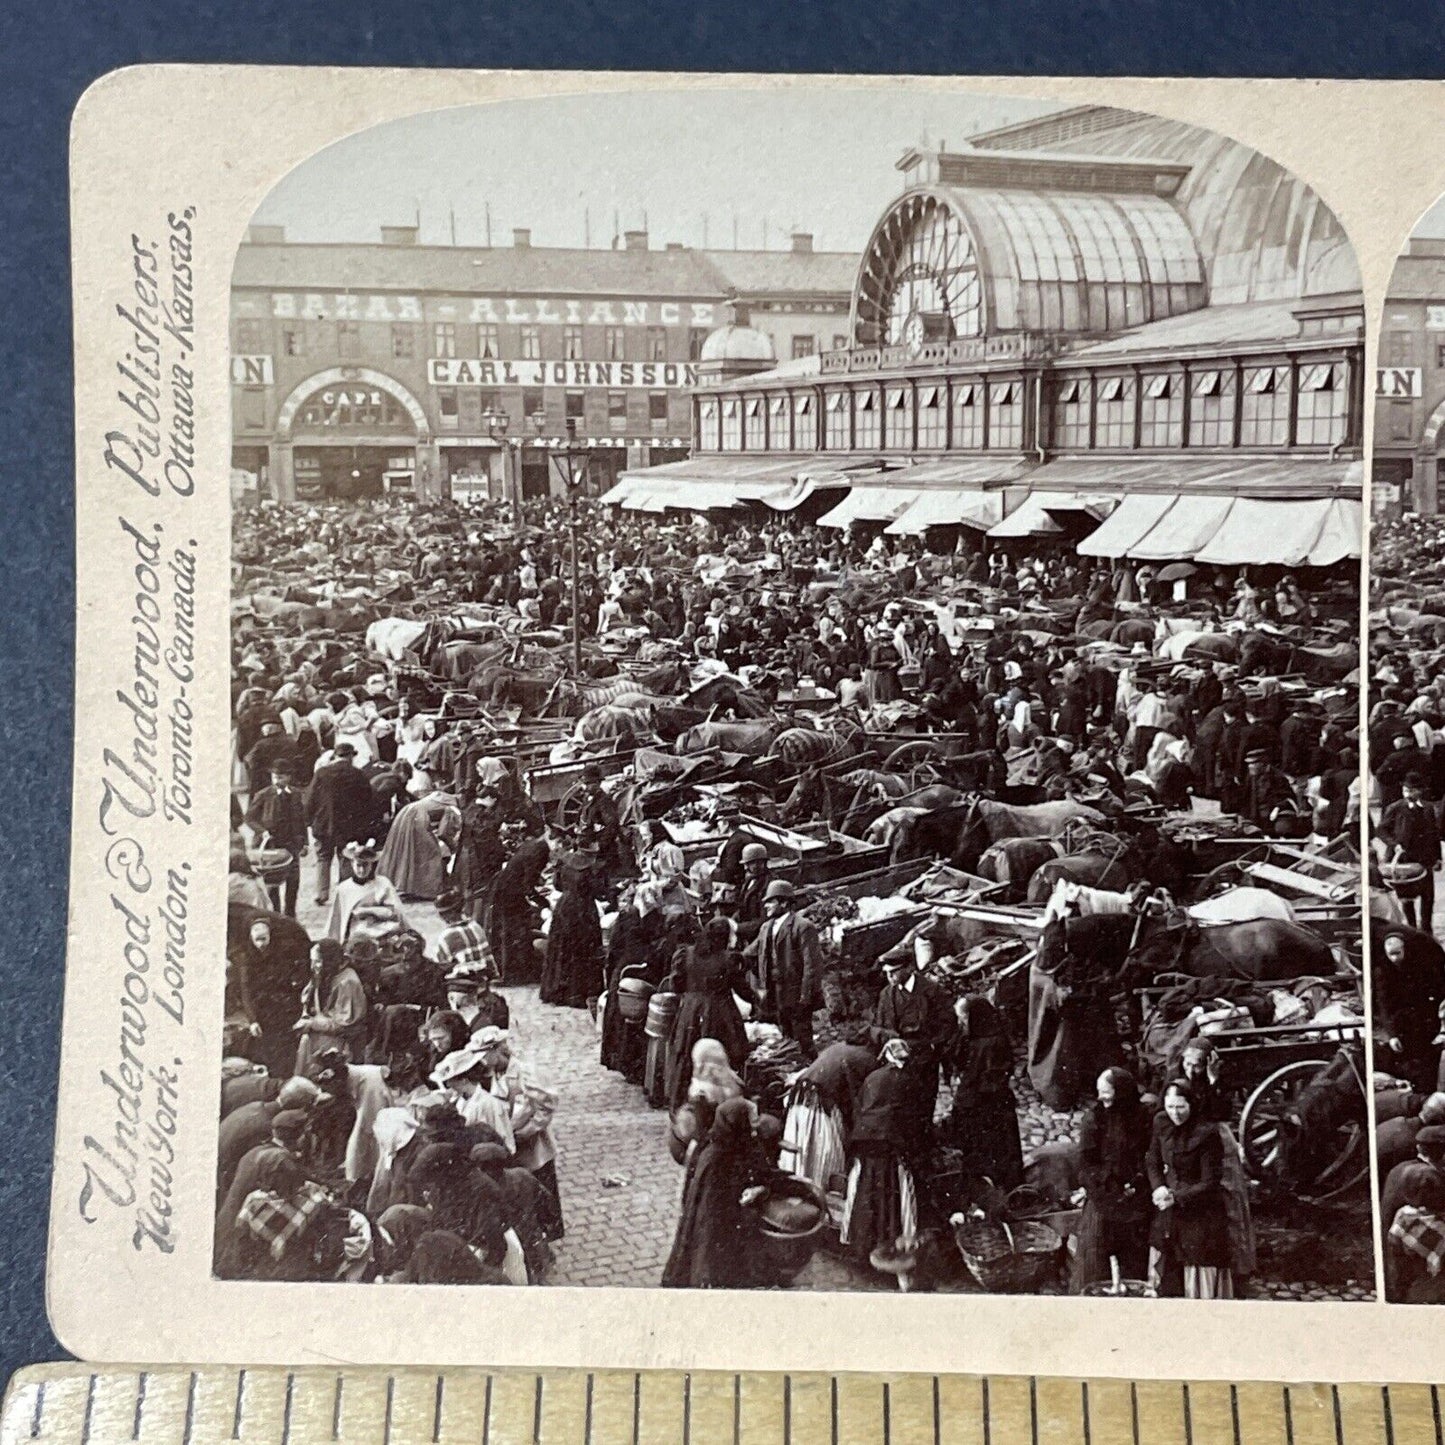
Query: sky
{"type": "Point", "coordinates": [771, 161]}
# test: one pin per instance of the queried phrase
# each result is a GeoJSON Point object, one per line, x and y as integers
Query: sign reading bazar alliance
{"type": "Point", "coordinates": [653, 375]}
{"type": "Point", "coordinates": [518, 310]}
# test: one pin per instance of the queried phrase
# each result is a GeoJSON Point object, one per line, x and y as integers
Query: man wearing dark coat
{"type": "Point", "coordinates": [789, 965]}
{"type": "Point", "coordinates": [1410, 828]}
{"type": "Point", "coordinates": [916, 1010]}
{"type": "Point", "coordinates": [341, 808]}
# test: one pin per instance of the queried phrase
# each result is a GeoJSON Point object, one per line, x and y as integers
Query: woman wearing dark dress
{"type": "Point", "coordinates": [514, 917]}
{"type": "Point", "coordinates": [716, 1242]}
{"type": "Point", "coordinates": [572, 972]}
{"type": "Point", "coordinates": [1113, 1149]}
{"type": "Point", "coordinates": [984, 1123]}
{"type": "Point", "coordinates": [881, 1208]}
{"type": "Point", "coordinates": [1189, 1236]}
{"type": "Point", "coordinates": [705, 975]}
{"type": "Point", "coordinates": [631, 943]}
{"type": "Point", "coordinates": [480, 855]}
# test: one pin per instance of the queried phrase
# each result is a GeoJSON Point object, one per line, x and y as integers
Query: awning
{"type": "Point", "coordinates": [945, 507]}
{"type": "Point", "coordinates": [1034, 515]}
{"type": "Point", "coordinates": [1299, 533]}
{"type": "Point", "coordinates": [870, 504]}
{"type": "Point", "coordinates": [1128, 526]}
{"type": "Point", "coordinates": [702, 483]}
{"type": "Point", "coordinates": [1222, 474]}
{"type": "Point", "coordinates": [1184, 529]}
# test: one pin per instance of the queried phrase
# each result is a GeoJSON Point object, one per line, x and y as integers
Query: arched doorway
{"type": "Point", "coordinates": [1430, 463]}
{"type": "Point", "coordinates": [354, 433]}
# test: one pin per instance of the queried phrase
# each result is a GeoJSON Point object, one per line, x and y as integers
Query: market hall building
{"type": "Point", "coordinates": [1409, 446]}
{"type": "Point", "coordinates": [362, 367]}
{"type": "Point", "coordinates": [1103, 327]}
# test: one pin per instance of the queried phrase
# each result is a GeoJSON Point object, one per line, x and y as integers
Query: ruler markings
{"type": "Point", "coordinates": [810, 1411]}
{"type": "Point", "coordinates": [1084, 1411]}
{"type": "Point", "coordinates": [912, 1411]}
{"type": "Point", "coordinates": [760, 1409]}
{"type": "Point", "coordinates": [436, 1418]}
{"type": "Point", "coordinates": [1055, 1412]}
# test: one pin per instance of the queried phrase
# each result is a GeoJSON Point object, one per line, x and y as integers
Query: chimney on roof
{"type": "Point", "coordinates": [676, 246]}
{"type": "Point", "coordinates": [802, 243]}
{"type": "Point", "coordinates": [521, 237]}
{"type": "Point", "coordinates": [258, 235]}
{"type": "Point", "coordinates": [634, 240]}
{"type": "Point", "coordinates": [398, 235]}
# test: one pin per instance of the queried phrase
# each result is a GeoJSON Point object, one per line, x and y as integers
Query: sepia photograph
{"type": "Point", "coordinates": [1406, 744]}
{"type": "Point", "coordinates": [795, 707]}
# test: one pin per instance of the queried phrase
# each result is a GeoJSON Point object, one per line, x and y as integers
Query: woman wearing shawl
{"type": "Point", "coordinates": [881, 675]}
{"type": "Point", "coordinates": [822, 1102]}
{"type": "Point", "coordinates": [1113, 1146]}
{"type": "Point", "coordinates": [334, 1007]}
{"type": "Point", "coordinates": [716, 1242]}
{"type": "Point", "coordinates": [463, 1201]}
{"type": "Point", "coordinates": [983, 1124]}
{"type": "Point", "coordinates": [1199, 1068]}
{"type": "Point", "coordinates": [419, 843]}
{"type": "Point", "coordinates": [1168, 772]}
{"type": "Point", "coordinates": [480, 855]}
{"type": "Point", "coordinates": [1189, 1236]}
{"type": "Point", "coordinates": [399, 1227]}
{"type": "Point", "coordinates": [881, 1208]}
{"type": "Point", "coordinates": [572, 968]}
{"type": "Point", "coordinates": [394, 1130]}
{"type": "Point", "coordinates": [705, 974]}
{"type": "Point", "coordinates": [514, 919]}
{"type": "Point", "coordinates": [633, 942]}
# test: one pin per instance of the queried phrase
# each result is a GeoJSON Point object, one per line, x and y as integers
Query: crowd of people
{"type": "Point", "coordinates": [380, 1121]}
{"type": "Point", "coordinates": [1406, 723]}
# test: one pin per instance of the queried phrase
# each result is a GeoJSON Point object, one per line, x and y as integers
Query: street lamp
{"type": "Point", "coordinates": [496, 423]}
{"type": "Point", "coordinates": [571, 460]}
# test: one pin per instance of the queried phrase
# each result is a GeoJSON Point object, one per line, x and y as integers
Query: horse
{"type": "Point", "coordinates": [1014, 863]}
{"type": "Point", "coordinates": [1262, 950]}
{"type": "Point", "coordinates": [615, 721]}
{"type": "Point", "coordinates": [984, 822]}
{"type": "Point", "coordinates": [799, 746]}
{"type": "Point", "coordinates": [1104, 871]}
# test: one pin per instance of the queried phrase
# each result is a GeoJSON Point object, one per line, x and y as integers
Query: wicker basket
{"type": "Point", "coordinates": [271, 864]}
{"type": "Point", "coordinates": [1008, 1258]}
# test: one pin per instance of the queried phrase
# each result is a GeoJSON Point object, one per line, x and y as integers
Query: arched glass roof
{"type": "Point", "coordinates": [968, 261]}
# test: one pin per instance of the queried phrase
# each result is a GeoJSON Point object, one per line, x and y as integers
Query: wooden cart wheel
{"type": "Point", "coordinates": [569, 806]}
{"type": "Point", "coordinates": [907, 757]}
{"type": "Point", "coordinates": [1263, 1118]}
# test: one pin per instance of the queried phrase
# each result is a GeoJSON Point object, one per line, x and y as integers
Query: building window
{"type": "Point", "coordinates": [1402, 421]}
{"type": "Point", "coordinates": [533, 402]}
{"type": "Point", "coordinates": [898, 418]}
{"type": "Point", "coordinates": [447, 408]}
{"type": "Point", "coordinates": [253, 408]}
{"type": "Point", "coordinates": [1071, 413]}
{"type": "Point", "coordinates": [1397, 348]}
{"type": "Point", "coordinates": [1211, 409]}
{"type": "Point", "coordinates": [803, 346]}
{"type": "Point", "coordinates": [656, 343]}
{"type": "Point", "coordinates": [867, 422]}
{"type": "Point", "coordinates": [1161, 410]}
{"type": "Point", "coordinates": [931, 418]}
{"type": "Point", "coordinates": [403, 342]}
{"type": "Point", "coordinates": [732, 425]}
{"type": "Point", "coordinates": [293, 341]}
{"type": "Point", "coordinates": [707, 419]}
{"type": "Point", "coordinates": [617, 408]}
{"type": "Point", "coordinates": [755, 431]}
{"type": "Point", "coordinates": [1114, 412]}
{"type": "Point", "coordinates": [531, 343]}
{"type": "Point", "coordinates": [696, 336]}
{"type": "Point", "coordinates": [348, 338]}
{"type": "Point", "coordinates": [1005, 415]}
{"type": "Point", "coordinates": [444, 338]}
{"type": "Point", "coordinates": [1320, 410]}
{"type": "Point", "coordinates": [657, 407]}
{"type": "Point", "coordinates": [805, 424]}
{"type": "Point", "coordinates": [571, 343]}
{"type": "Point", "coordinates": [489, 341]}
{"type": "Point", "coordinates": [838, 436]}
{"type": "Point", "coordinates": [576, 405]}
{"type": "Point", "coordinates": [968, 412]}
{"type": "Point", "coordinates": [1264, 413]}
{"type": "Point", "coordinates": [249, 338]}
{"type": "Point", "coordinates": [489, 401]}
{"type": "Point", "coordinates": [615, 344]}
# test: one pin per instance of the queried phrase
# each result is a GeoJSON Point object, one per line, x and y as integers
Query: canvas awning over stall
{"type": "Point", "coordinates": [701, 483]}
{"type": "Point", "coordinates": [870, 504]}
{"type": "Point", "coordinates": [1035, 515]}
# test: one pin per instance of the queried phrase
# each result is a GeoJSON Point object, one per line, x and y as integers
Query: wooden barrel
{"type": "Point", "coordinates": [661, 1011]}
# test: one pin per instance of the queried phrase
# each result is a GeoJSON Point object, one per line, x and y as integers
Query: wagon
{"type": "Point", "coordinates": [557, 787]}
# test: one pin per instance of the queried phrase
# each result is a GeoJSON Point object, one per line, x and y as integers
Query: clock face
{"type": "Point", "coordinates": [913, 332]}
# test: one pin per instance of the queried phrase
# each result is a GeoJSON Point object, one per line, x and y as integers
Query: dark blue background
{"type": "Point", "coordinates": [51, 52]}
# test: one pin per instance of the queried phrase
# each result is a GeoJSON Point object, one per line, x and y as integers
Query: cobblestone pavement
{"type": "Point", "coordinates": [620, 1188]}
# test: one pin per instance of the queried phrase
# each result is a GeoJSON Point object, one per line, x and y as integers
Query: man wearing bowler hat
{"type": "Point", "coordinates": [277, 819]}
{"type": "Point", "coordinates": [789, 965]}
{"type": "Point", "coordinates": [1412, 832]}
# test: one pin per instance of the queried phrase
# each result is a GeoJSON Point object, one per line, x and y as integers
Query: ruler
{"type": "Point", "coordinates": [81, 1405]}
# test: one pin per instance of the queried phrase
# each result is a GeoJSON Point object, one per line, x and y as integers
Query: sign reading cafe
{"type": "Point", "coordinates": [518, 310]}
{"type": "Point", "coordinates": [654, 375]}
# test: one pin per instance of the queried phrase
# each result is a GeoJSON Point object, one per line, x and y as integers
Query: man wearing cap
{"type": "Point", "coordinates": [277, 818]}
{"type": "Point", "coordinates": [789, 970]}
{"type": "Point", "coordinates": [462, 947]}
{"type": "Point", "coordinates": [1269, 798]}
{"type": "Point", "coordinates": [341, 808]}
{"type": "Point", "coordinates": [273, 745]}
{"type": "Point", "coordinates": [1410, 829]}
{"type": "Point", "coordinates": [919, 1012]}
{"type": "Point", "coordinates": [748, 908]}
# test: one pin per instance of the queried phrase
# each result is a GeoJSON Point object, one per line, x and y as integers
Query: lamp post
{"type": "Point", "coordinates": [571, 459]}
{"type": "Point", "coordinates": [496, 423]}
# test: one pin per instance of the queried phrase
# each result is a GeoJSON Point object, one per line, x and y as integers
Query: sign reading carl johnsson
{"type": "Point", "coordinates": [327, 1065]}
